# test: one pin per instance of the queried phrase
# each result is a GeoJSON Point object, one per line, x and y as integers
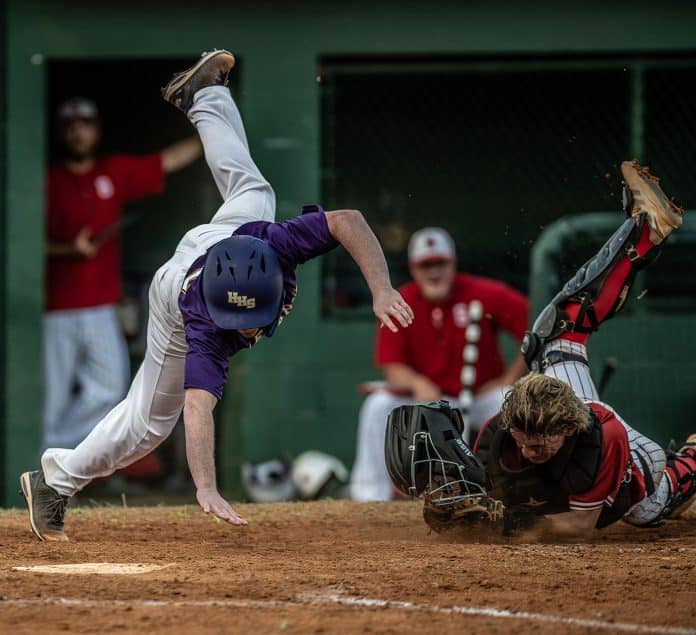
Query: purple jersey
{"type": "Point", "coordinates": [209, 347]}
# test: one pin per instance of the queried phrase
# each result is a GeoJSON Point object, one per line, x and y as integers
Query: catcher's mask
{"type": "Point", "coordinates": [426, 455]}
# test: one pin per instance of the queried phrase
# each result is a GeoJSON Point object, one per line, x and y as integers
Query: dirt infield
{"type": "Point", "coordinates": [338, 567]}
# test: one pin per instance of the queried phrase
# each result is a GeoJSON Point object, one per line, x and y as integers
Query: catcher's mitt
{"type": "Point", "coordinates": [481, 511]}
{"type": "Point", "coordinates": [426, 456]}
{"type": "Point", "coordinates": [484, 512]}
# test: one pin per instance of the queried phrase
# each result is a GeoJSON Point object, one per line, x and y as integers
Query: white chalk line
{"type": "Point", "coordinates": [95, 568]}
{"type": "Point", "coordinates": [323, 599]}
{"type": "Point", "coordinates": [338, 598]}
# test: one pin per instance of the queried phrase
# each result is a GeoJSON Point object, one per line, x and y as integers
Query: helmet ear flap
{"type": "Point", "coordinates": [271, 328]}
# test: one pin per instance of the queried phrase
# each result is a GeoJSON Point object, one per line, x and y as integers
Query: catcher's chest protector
{"type": "Point", "coordinates": [546, 487]}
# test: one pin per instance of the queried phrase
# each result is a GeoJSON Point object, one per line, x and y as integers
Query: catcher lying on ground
{"type": "Point", "coordinates": [555, 457]}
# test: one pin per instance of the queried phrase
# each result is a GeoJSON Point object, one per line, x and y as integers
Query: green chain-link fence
{"type": "Point", "coordinates": [494, 151]}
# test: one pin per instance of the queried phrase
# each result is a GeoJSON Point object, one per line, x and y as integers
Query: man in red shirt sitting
{"type": "Point", "coordinates": [451, 351]}
{"type": "Point", "coordinates": [84, 346]}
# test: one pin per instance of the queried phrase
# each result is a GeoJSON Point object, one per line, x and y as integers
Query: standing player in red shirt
{"type": "Point", "coordinates": [451, 351]}
{"type": "Point", "coordinates": [84, 346]}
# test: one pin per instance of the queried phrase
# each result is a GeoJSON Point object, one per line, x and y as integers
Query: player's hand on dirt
{"type": "Point", "coordinates": [425, 390]}
{"type": "Point", "coordinates": [212, 503]}
{"type": "Point", "coordinates": [389, 306]}
{"type": "Point", "coordinates": [83, 243]}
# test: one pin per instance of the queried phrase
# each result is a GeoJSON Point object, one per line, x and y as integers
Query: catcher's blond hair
{"type": "Point", "coordinates": [537, 404]}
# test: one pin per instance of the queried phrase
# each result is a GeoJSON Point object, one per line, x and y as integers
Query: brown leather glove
{"type": "Point", "coordinates": [483, 511]}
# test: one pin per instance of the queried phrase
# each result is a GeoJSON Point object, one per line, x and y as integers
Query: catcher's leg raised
{"type": "Point", "coordinates": [556, 344]}
{"type": "Point", "coordinates": [601, 286]}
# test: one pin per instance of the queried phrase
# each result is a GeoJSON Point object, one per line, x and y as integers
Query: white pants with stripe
{"type": "Point", "coordinates": [155, 399]}
{"type": "Point", "coordinates": [369, 480]}
{"type": "Point", "coordinates": [86, 371]}
{"type": "Point", "coordinates": [577, 375]}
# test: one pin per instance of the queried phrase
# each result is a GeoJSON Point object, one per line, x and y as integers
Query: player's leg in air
{"type": "Point", "coordinates": [155, 400]}
{"type": "Point", "coordinates": [557, 344]}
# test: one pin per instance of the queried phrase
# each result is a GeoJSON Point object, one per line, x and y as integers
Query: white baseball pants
{"type": "Point", "coordinates": [154, 402]}
{"type": "Point", "coordinates": [369, 479]}
{"type": "Point", "coordinates": [577, 375]}
{"type": "Point", "coordinates": [84, 348]}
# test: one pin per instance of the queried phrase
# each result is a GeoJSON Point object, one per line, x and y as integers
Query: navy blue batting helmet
{"type": "Point", "coordinates": [242, 283]}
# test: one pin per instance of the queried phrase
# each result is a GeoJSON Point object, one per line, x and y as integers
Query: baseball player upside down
{"type": "Point", "coordinates": [229, 283]}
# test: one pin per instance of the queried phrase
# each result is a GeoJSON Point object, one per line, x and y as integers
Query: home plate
{"type": "Point", "coordinates": [98, 568]}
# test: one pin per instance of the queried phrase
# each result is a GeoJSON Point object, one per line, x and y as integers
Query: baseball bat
{"type": "Point", "coordinates": [107, 232]}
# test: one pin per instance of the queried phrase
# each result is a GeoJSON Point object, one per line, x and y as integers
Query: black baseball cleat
{"type": "Point", "coordinates": [46, 506]}
{"type": "Point", "coordinates": [212, 69]}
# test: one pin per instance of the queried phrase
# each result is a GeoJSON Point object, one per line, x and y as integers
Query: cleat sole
{"type": "Point", "coordinates": [663, 215]}
{"type": "Point", "coordinates": [25, 485]}
{"type": "Point", "coordinates": [176, 83]}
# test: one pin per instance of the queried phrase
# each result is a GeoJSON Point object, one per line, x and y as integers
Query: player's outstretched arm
{"type": "Point", "coordinates": [200, 452]}
{"type": "Point", "coordinates": [350, 229]}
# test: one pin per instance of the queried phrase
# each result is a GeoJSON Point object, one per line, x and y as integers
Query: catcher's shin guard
{"type": "Point", "coordinates": [681, 472]}
{"type": "Point", "coordinates": [583, 289]}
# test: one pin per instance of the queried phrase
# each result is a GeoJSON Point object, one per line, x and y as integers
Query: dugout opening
{"type": "Point", "coordinates": [135, 120]}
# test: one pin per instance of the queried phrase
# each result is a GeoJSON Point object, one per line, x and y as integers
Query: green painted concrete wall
{"type": "Point", "coordinates": [299, 387]}
{"type": "Point", "coordinates": [3, 170]}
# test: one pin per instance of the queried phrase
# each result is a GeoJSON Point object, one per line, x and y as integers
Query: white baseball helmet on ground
{"type": "Point", "coordinates": [316, 474]}
{"type": "Point", "coordinates": [269, 481]}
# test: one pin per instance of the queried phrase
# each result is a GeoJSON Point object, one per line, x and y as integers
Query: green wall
{"type": "Point", "coordinates": [3, 168]}
{"type": "Point", "coordinates": [298, 387]}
